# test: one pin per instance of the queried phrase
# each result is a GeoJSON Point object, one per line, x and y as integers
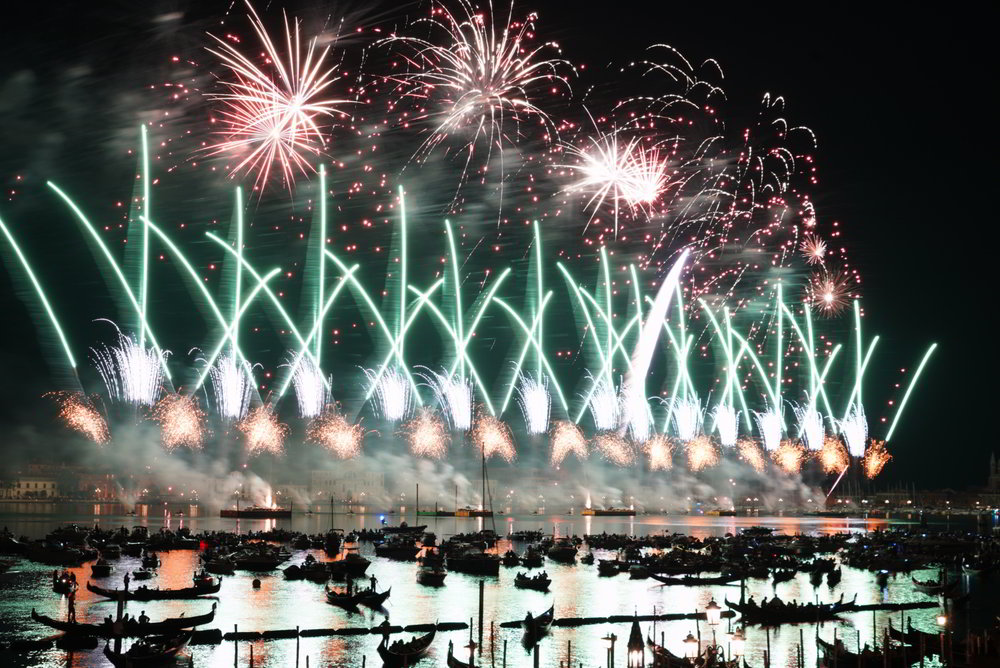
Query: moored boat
{"type": "Point", "coordinates": [144, 593]}
{"type": "Point", "coordinates": [130, 628]}
{"type": "Point", "coordinates": [150, 651]}
{"type": "Point", "coordinates": [539, 582]}
{"type": "Point", "coordinates": [400, 654]}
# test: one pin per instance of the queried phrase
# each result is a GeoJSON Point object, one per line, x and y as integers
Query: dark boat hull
{"type": "Point", "coordinates": [155, 594]}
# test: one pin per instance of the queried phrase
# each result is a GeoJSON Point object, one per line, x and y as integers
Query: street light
{"type": "Point", "coordinates": [691, 647]}
{"type": "Point", "coordinates": [942, 620]}
{"type": "Point", "coordinates": [713, 612]}
{"type": "Point", "coordinates": [610, 642]}
{"type": "Point", "coordinates": [736, 643]}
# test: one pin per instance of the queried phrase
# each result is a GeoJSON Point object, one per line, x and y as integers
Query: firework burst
{"type": "Point", "coordinates": [79, 413]}
{"type": "Point", "coordinates": [427, 435]}
{"type": "Point", "coordinates": [814, 249]}
{"type": "Point", "coordinates": [334, 432]}
{"type": "Point", "coordinates": [727, 423]}
{"type": "Point", "coordinates": [701, 453]}
{"type": "Point", "coordinates": [481, 81]}
{"type": "Point", "coordinates": [615, 449]}
{"type": "Point", "coordinates": [454, 395]}
{"type": "Point", "coordinates": [271, 118]}
{"type": "Point", "coordinates": [391, 394]}
{"type": "Point", "coordinates": [133, 374]}
{"type": "Point", "coordinates": [751, 453]}
{"type": "Point", "coordinates": [876, 457]}
{"type": "Point", "coordinates": [687, 416]}
{"type": "Point", "coordinates": [493, 437]}
{"type": "Point", "coordinates": [660, 451]}
{"type": "Point", "coordinates": [603, 404]}
{"type": "Point", "coordinates": [829, 291]}
{"type": "Point", "coordinates": [769, 424]}
{"type": "Point", "coordinates": [854, 428]}
{"type": "Point", "coordinates": [232, 387]}
{"type": "Point", "coordinates": [834, 457]}
{"type": "Point", "coordinates": [565, 438]}
{"type": "Point", "coordinates": [263, 431]}
{"type": "Point", "coordinates": [811, 426]}
{"type": "Point", "coordinates": [182, 422]}
{"type": "Point", "coordinates": [789, 457]}
{"type": "Point", "coordinates": [634, 414]}
{"type": "Point", "coordinates": [536, 403]}
{"type": "Point", "coordinates": [311, 391]}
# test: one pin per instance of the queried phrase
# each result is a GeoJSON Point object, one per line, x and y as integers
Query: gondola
{"type": "Point", "coordinates": [151, 651]}
{"type": "Point", "coordinates": [431, 577]}
{"type": "Point", "coordinates": [371, 598]}
{"type": "Point", "coordinates": [142, 574]}
{"type": "Point", "coordinates": [536, 627]}
{"type": "Point", "coordinates": [146, 594]}
{"type": "Point", "coordinates": [404, 528]}
{"type": "Point", "coordinates": [403, 654]}
{"type": "Point", "coordinates": [454, 662]}
{"type": "Point", "coordinates": [791, 614]}
{"type": "Point", "coordinates": [692, 581]}
{"type": "Point", "coordinates": [933, 586]}
{"type": "Point", "coordinates": [63, 583]}
{"type": "Point", "coordinates": [132, 628]}
{"type": "Point", "coordinates": [539, 582]}
{"type": "Point", "coordinates": [783, 575]}
{"type": "Point", "coordinates": [342, 599]}
{"type": "Point", "coordinates": [663, 656]}
{"type": "Point", "coordinates": [833, 577]}
{"type": "Point", "coordinates": [101, 568]}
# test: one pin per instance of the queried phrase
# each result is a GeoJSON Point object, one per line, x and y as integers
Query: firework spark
{"type": "Point", "coordinates": [311, 391]}
{"type": "Point", "coordinates": [660, 450]}
{"type": "Point", "coordinates": [811, 426]}
{"type": "Point", "coordinates": [701, 453]}
{"type": "Point", "coordinates": [687, 416]}
{"type": "Point", "coordinates": [483, 79]}
{"type": "Point", "coordinates": [271, 118]}
{"type": "Point", "coordinates": [829, 291]}
{"type": "Point", "coordinates": [427, 435]}
{"type": "Point", "coordinates": [493, 437]}
{"type": "Point", "coordinates": [391, 394]}
{"type": "Point", "coordinates": [727, 423]}
{"type": "Point", "coordinates": [751, 453]}
{"type": "Point", "coordinates": [536, 403]}
{"type": "Point", "coordinates": [855, 430]}
{"type": "Point", "coordinates": [263, 431]}
{"type": "Point", "coordinates": [80, 414]}
{"type": "Point", "coordinates": [454, 395]}
{"type": "Point", "coordinates": [634, 413]}
{"type": "Point", "coordinates": [232, 387]}
{"type": "Point", "coordinates": [834, 457]}
{"type": "Point", "coordinates": [334, 432]}
{"type": "Point", "coordinates": [565, 438]}
{"type": "Point", "coordinates": [876, 457]}
{"type": "Point", "coordinates": [615, 449]}
{"type": "Point", "coordinates": [789, 457]}
{"type": "Point", "coordinates": [814, 249]}
{"type": "Point", "coordinates": [133, 374]}
{"type": "Point", "coordinates": [769, 425]}
{"type": "Point", "coordinates": [603, 405]}
{"type": "Point", "coordinates": [182, 422]}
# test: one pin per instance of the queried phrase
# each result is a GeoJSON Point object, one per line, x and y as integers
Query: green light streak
{"type": "Point", "coordinates": [459, 317]}
{"type": "Point", "coordinates": [402, 285]}
{"type": "Point", "coordinates": [860, 374]}
{"type": "Point", "coordinates": [239, 267]}
{"type": "Point", "coordinates": [471, 331]}
{"type": "Point", "coordinates": [322, 261]}
{"type": "Point", "coordinates": [539, 274]}
{"type": "Point", "coordinates": [813, 371]}
{"type": "Point", "coordinates": [146, 206]}
{"type": "Point", "coordinates": [909, 389]}
{"type": "Point", "coordinates": [731, 379]}
{"type": "Point", "coordinates": [545, 362]}
{"type": "Point", "coordinates": [40, 292]}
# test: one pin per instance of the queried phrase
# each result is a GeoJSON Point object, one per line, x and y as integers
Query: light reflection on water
{"type": "Point", "coordinates": [576, 591]}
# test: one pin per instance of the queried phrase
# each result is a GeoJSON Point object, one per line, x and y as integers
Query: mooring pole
{"type": "Point", "coordinates": [482, 586]}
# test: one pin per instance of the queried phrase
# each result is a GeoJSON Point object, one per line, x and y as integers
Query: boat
{"type": "Point", "coordinates": [401, 654]}
{"type": "Point", "coordinates": [372, 599]}
{"type": "Point", "coordinates": [608, 567]}
{"type": "Point", "coordinates": [933, 587]}
{"type": "Point", "coordinates": [101, 568]}
{"type": "Point", "coordinates": [150, 651]}
{"type": "Point", "coordinates": [563, 551]}
{"type": "Point", "coordinates": [663, 656]}
{"type": "Point", "coordinates": [142, 574]}
{"type": "Point", "coordinates": [532, 557]}
{"type": "Point", "coordinates": [203, 579]}
{"type": "Point", "coordinates": [342, 599]}
{"type": "Point", "coordinates": [257, 513]}
{"type": "Point", "coordinates": [692, 581]}
{"type": "Point", "coordinates": [587, 559]}
{"type": "Point", "coordinates": [536, 627]}
{"type": "Point", "coordinates": [474, 561]}
{"type": "Point", "coordinates": [221, 566]}
{"type": "Point", "coordinates": [404, 528]}
{"type": "Point", "coordinates": [150, 560]}
{"type": "Point", "coordinates": [784, 613]}
{"type": "Point", "coordinates": [510, 558]}
{"type": "Point", "coordinates": [473, 512]}
{"type": "Point", "coordinates": [398, 548]}
{"type": "Point", "coordinates": [352, 564]}
{"type": "Point", "coordinates": [816, 578]}
{"type": "Point", "coordinates": [833, 577]}
{"type": "Point", "coordinates": [431, 577]}
{"type": "Point", "coordinates": [608, 512]}
{"type": "Point", "coordinates": [131, 628]}
{"type": "Point", "coordinates": [63, 583]}
{"type": "Point", "coordinates": [454, 662]}
{"type": "Point", "coordinates": [783, 575]}
{"type": "Point", "coordinates": [538, 582]}
{"type": "Point", "coordinates": [144, 593]}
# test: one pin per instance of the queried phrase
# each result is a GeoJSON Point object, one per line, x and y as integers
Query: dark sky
{"type": "Point", "coordinates": [896, 99]}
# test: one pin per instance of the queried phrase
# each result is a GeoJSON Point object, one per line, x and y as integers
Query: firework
{"type": "Point", "coordinates": [565, 438]}
{"type": "Point", "coordinates": [769, 425]}
{"type": "Point", "coordinates": [311, 388]}
{"type": "Point", "coordinates": [751, 453]}
{"type": "Point", "coordinates": [727, 423]}
{"type": "Point", "coordinates": [634, 412]}
{"type": "Point", "coordinates": [335, 433]}
{"type": "Point", "coordinates": [687, 416]}
{"type": "Point", "coordinates": [829, 291]}
{"type": "Point", "coordinates": [833, 457]}
{"type": "Point", "coordinates": [132, 373]}
{"type": "Point", "coordinates": [660, 450]}
{"type": "Point", "coordinates": [876, 457]}
{"type": "Point", "coordinates": [493, 437]}
{"type": "Point", "coordinates": [427, 435]}
{"type": "Point", "coordinates": [603, 404]}
{"type": "Point", "coordinates": [272, 120]}
{"type": "Point", "coordinates": [618, 172]}
{"type": "Point", "coordinates": [854, 428]}
{"type": "Point", "coordinates": [454, 395]}
{"type": "Point", "coordinates": [615, 449]}
{"type": "Point", "coordinates": [391, 393]}
{"type": "Point", "coordinates": [789, 457]}
{"type": "Point", "coordinates": [701, 453]}
{"type": "Point", "coordinates": [182, 422]}
{"type": "Point", "coordinates": [811, 426]}
{"type": "Point", "coordinates": [482, 81]}
{"type": "Point", "coordinates": [80, 414]}
{"type": "Point", "coordinates": [232, 387]}
{"type": "Point", "coordinates": [814, 249]}
{"type": "Point", "coordinates": [535, 401]}
{"type": "Point", "coordinates": [263, 431]}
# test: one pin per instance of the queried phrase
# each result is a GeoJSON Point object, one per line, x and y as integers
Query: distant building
{"type": "Point", "coordinates": [28, 486]}
{"type": "Point", "coordinates": [350, 481]}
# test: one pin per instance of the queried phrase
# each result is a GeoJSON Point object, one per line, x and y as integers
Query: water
{"type": "Point", "coordinates": [576, 591]}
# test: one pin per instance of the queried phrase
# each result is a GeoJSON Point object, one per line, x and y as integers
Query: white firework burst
{"type": "Point", "coordinates": [232, 387]}
{"type": "Point", "coordinates": [535, 401]}
{"type": "Point", "coordinates": [454, 395]}
{"type": "Point", "coordinates": [727, 423]}
{"type": "Point", "coordinates": [391, 394]}
{"type": "Point", "coordinates": [811, 426]}
{"type": "Point", "coordinates": [855, 430]}
{"type": "Point", "coordinates": [133, 374]}
{"type": "Point", "coordinates": [311, 389]}
{"type": "Point", "coordinates": [770, 425]}
{"type": "Point", "coordinates": [687, 417]}
{"type": "Point", "coordinates": [603, 404]}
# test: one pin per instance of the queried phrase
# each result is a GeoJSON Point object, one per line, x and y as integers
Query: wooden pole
{"type": "Point", "coordinates": [482, 585]}
{"type": "Point", "coordinates": [236, 642]}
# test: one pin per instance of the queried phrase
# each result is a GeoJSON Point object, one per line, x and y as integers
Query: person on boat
{"type": "Point", "coordinates": [529, 620]}
{"type": "Point", "coordinates": [126, 581]}
{"type": "Point", "coordinates": [143, 618]}
{"type": "Point", "coordinates": [71, 610]}
{"type": "Point", "coordinates": [374, 581]}
{"type": "Point", "coordinates": [384, 628]}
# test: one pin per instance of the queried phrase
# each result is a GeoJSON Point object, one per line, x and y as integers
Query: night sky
{"type": "Point", "coordinates": [895, 99]}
